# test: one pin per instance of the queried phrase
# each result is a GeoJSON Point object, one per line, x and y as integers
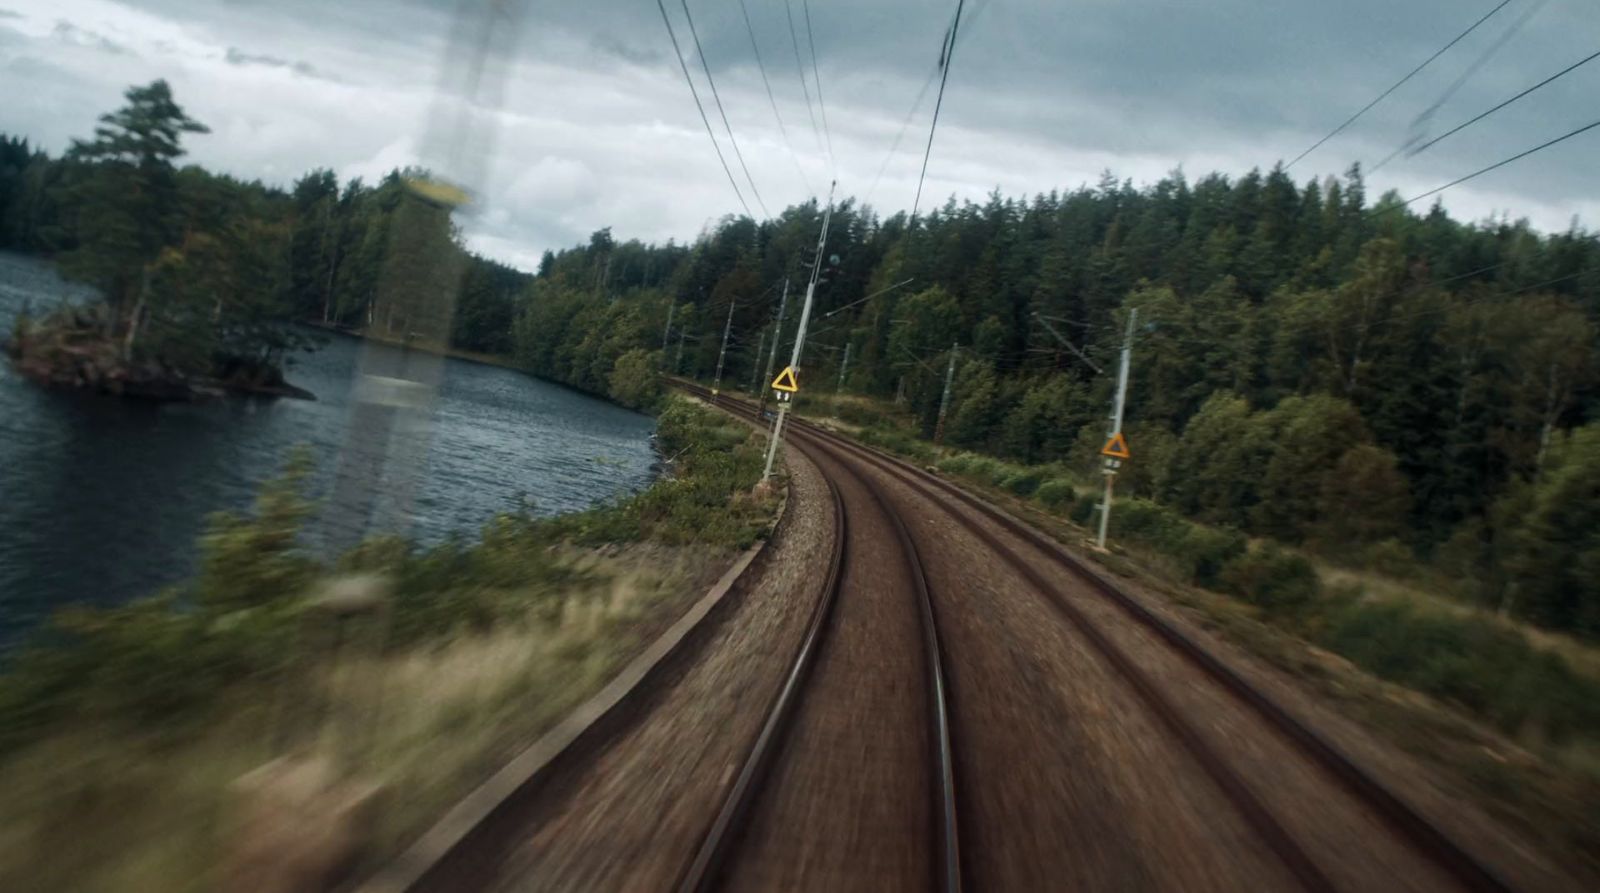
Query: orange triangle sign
{"type": "Point", "coordinates": [1116, 447]}
{"type": "Point", "coordinates": [786, 381]}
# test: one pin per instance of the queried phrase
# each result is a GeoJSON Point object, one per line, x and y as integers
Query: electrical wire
{"type": "Point", "coordinates": [678, 52]}
{"type": "Point", "coordinates": [718, 98]}
{"type": "Point", "coordinates": [800, 67]}
{"type": "Point", "coordinates": [1419, 124]}
{"type": "Point", "coordinates": [916, 106]}
{"type": "Point", "coordinates": [945, 59]}
{"type": "Point", "coordinates": [1396, 85]}
{"type": "Point", "coordinates": [1413, 152]}
{"type": "Point", "coordinates": [1498, 164]}
{"type": "Point", "coordinates": [816, 78]}
{"type": "Point", "coordinates": [756, 48]}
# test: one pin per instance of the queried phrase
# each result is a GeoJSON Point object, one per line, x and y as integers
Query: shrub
{"type": "Point", "coordinates": [1084, 510]}
{"type": "Point", "coordinates": [897, 442]}
{"type": "Point", "coordinates": [633, 381]}
{"type": "Point", "coordinates": [1488, 669]}
{"type": "Point", "coordinates": [1054, 494]}
{"type": "Point", "coordinates": [1274, 578]}
{"type": "Point", "coordinates": [959, 465]}
{"type": "Point", "coordinates": [1207, 550]}
{"type": "Point", "coordinates": [1201, 552]}
{"type": "Point", "coordinates": [1022, 483]}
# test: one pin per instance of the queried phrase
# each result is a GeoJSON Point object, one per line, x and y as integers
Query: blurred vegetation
{"type": "Point", "coordinates": [166, 661]}
{"type": "Point", "coordinates": [1459, 654]}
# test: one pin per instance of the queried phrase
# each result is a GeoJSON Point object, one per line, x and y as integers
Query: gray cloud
{"type": "Point", "coordinates": [598, 129]}
{"type": "Point", "coordinates": [66, 32]}
{"type": "Point", "coordinates": [236, 56]}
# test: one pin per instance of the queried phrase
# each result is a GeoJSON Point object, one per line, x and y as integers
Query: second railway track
{"type": "Point", "coordinates": [1417, 833]}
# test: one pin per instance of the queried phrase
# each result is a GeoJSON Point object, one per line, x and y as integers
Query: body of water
{"type": "Point", "coordinates": [101, 499]}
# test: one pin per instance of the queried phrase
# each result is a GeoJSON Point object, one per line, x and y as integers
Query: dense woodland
{"type": "Point", "coordinates": [1307, 364]}
{"type": "Point", "coordinates": [1359, 377]}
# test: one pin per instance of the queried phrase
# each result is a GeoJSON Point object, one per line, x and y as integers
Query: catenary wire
{"type": "Point", "coordinates": [755, 47]}
{"type": "Point", "coordinates": [816, 79]}
{"type": "Point", "coordinates": [800, 68]}
{"type": "Point", "coordinates": [1413, 152]}
{"type": "Point", "coordinates": [1498, 164]}
{"type": "Point", "coordinates": [678, 52]}
{"type": "Point", "coordinates": [1396, 85]}
{"type": "Point", "coordinates": [718, 98]}
{"type": "Point", "coordinates": [944, 77]}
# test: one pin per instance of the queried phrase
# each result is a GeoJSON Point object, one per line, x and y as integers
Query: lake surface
{"type": "Point", "coordinates": [101, 499]}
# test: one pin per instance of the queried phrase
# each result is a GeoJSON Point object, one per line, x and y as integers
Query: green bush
{"type": "Point", "coordinates": [1085, 509]}
{"type": "Point", "coordinates": [1054, 494]}
{"type": "Point", "coordinates": [1207, 550]}
{"type": "Point", "coordinates": [1488, 669]}
{"type": "Point", "coordinates": [1022, 483]}
{"type": "Point", "coordinates": [958, 465]}
{"type": "Point", "coordinates": [897, 442]}
{"type": "Point", "coordinates": [1274, 578]}
{"type": "Point", "coordinates": [1200, 552]}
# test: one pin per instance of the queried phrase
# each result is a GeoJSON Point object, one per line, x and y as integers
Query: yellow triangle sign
{"type": "Point", "coordinates": [786, 381]}
{"type": "Point", "coordinates": [1116, 447]}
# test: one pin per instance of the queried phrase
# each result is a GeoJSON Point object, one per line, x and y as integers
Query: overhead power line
{"type": "Point", "coordinates": [718, 98]}
{"type": "Point", "coordinates": [1498, 164]}
{"type": "Point", "coordinates": [1413, 152]}
{"type": "Point", "coordinates": [800, 68]}
{"type": "Point", "coordinates": [916, 105]}
{"type": "Point", "coordinates": [1397, 84]}
{"type": "Point", "coordinates": [678, 52]}
{"type": "Point", "coordinates": [816, 78]}
{"type": "Point", "coordinates": [1420, 123]}
{"type": "Point", "coordinates": [756, 48]}
{"type": "Point", "coordinates": [945, 58]}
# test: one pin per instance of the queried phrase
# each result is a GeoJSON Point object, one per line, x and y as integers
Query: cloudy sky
{"type": "Point", "coordinates": [596, 127]}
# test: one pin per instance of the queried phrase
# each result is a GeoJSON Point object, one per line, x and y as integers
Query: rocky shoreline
{"type": "Point", "coordinates": [81, 360]}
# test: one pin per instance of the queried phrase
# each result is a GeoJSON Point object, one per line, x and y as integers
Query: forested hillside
{"type": "Point", "coordinates": [1308, 365]}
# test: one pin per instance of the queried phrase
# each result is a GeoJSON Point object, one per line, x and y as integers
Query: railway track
{"type": "Point", "coordinates": [722, 852]}
{"type": "Point", "coordinates": [1419, 834]}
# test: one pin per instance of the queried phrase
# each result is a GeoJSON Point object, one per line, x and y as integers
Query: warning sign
{"type": "Point", "coordinates": [786, 381]}
{"type": "Point", "coordinates": [1116, 447]}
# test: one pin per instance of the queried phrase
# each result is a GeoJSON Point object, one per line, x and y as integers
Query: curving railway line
{"type": "Point", "coordinates": [966, 705]}
{"type": "Point", "coordinates": [1445, 865]}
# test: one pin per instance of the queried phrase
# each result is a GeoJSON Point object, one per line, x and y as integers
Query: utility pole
{"type": "Point", "coordinates": [944, 402]}
{"type": "Point", "coordinates": [777, 336]}
{"type": "Point", "coordinates": [667, 332]}
{"type": "Point", "coordinates": [800, 334]}
{"type": "Point", "coordinates": [1110, 471]}
{"type": "Point", "coordinates": [716, 386]}
{"type": "Point", "coordinates": [677, 362]}
{"type": "Point", "coordinates": [755, 368]}
{"type": "Point", "coordinates": [843, 367]}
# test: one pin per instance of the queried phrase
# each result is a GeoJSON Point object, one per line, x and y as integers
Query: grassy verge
{"type": "Point", "coordinates": [1511, 714]}
{"type": "Point", "coordinates": [121, 730]}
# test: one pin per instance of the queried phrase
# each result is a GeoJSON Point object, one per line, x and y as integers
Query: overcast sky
{"type": "Point", "coordinates": [597, 127]}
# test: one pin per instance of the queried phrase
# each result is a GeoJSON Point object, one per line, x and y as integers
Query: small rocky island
{"type": "Point", "coordinates": [191, 294]}
{"type": "Point", "coordinates": [71, 348]}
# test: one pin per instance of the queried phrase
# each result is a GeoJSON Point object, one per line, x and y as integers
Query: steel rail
{"type": "Point", "coordinates": [1423, 836]}
{"type": "Point", "coordinates": [721, 837]}
{"type": "Point", "coordinates": [721, 840]}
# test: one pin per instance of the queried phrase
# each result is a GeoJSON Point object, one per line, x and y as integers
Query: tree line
{"type": "Point", "coordinates": [1307, 364]}
{"type": "Point", "coordinates": [199, 271]}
